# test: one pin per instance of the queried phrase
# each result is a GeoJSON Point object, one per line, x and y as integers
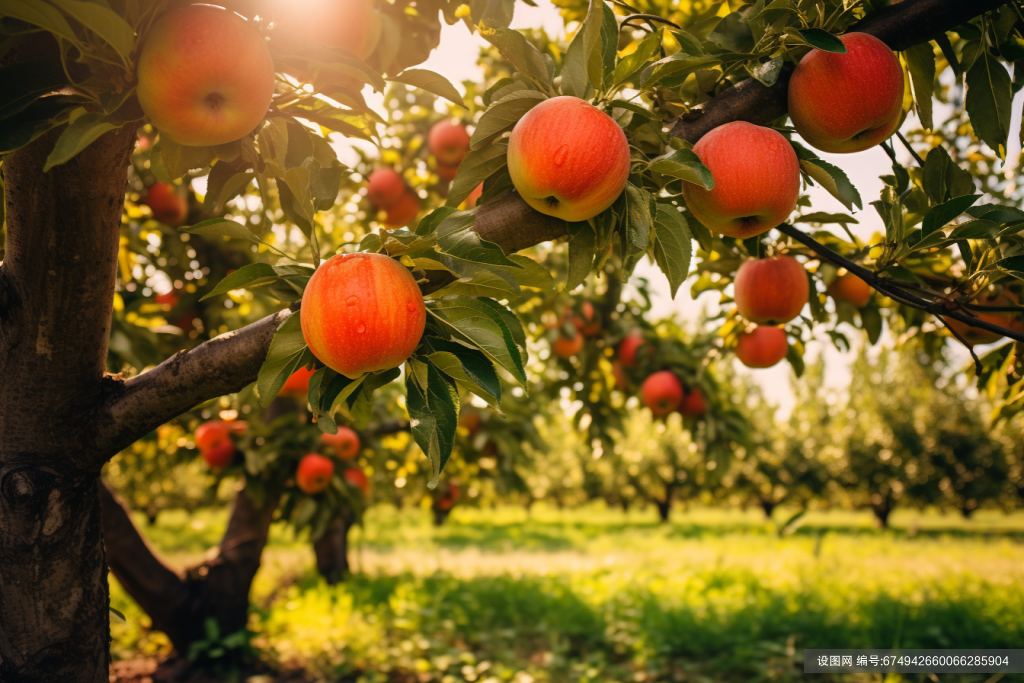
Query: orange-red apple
{"type": "Point", "coordinates": [448, 142]}
{"type": "Point", "coordinates": [567, 347]}
{"type": "Point", "coordinates": [362, 313]}
{"type": "Point", "coordinates": [385, 188]}
{"type": "Point", "coordinates": [693, 403]}
{"type": "Point", "coordinates": [628, 348]}
{"type": "Point", "coordinates": [314, 473]}
{"type": "Point", "coordinates": [762, 347]}
{"type": "Point", "coordinates": [850, 102]}
{"type": "Point", "coordinates": [850, 288]}
{"type": "Point", "coordinates": [345, 443]}
{"type": "Point", "coordinates": [166, 204]}
{"type": "Point", "coordinates": [168, 299]}
{"type": "Point", "coordinates": [220, 455]}
{"type": "Point", "coordinates": [568, 159]}
{"type": "Point", "coordinates": [1008, 319]}
{"type": "Point", "coordinates": [205, 76]}
{"type": "Point", "coordinates": [771, 291]}
{"type": "Point", "coordinates": [213, 439]}
{"type": "Point", "coordinates": [404, 212]}
{"type": "Point", "coordinates": [357, 478]}
{"type": "Point", "coordinates": [662, 392]}
{"type": "Point", "coordinates": [757, 180]}
{"type": "Point", "coordinates": [297, 386]}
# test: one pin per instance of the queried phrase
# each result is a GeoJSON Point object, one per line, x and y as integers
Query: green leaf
{"type": "Point", "coordinates": [582, 250]}
{"type": "Point", "coordinates": [477, 167]}
{"type": "Point", "coordinates": [431, 82]}
{"type": "Point", "coordinates": [637, 233]}
{"type": "Point", "coordinates": [254, 275]}
{"type": "Point", "coordinates": [223, 227]}
{"type": "Point", "coordinates": [823, 40]}
{"type": "Point", "coordinates": [834, 180]}
{"type": "Point", "coordinates": [493, 13]}
{"type": "Point", "coordinates": [921, 63]}
{"type": "Point", "coordinates": [177, 160]}
{"type": "Point", "coordinates": [287, 353]}
{"type": "Point", "coordinates": [457, 238]}
{"type": "Point", "coordinates": [575, 72]}
{"type": "Point", "coordinates": [503, 115]}
{"type": "Point", "coordinates": [22, 83]}
{"type": "Point", "coordinates": [822, 217]}
{"type": "Point", "coordinates": [474, 322]}
{"type": "Point", "coordinates": [685, 165]}
{"type": "Point", "coordinates": [602, 65]}
{"type": "Point", "coordinates": [434, 417]}
{"type": "Point", "coordinates": [41, 14]}
{"type": "Point", "coordinates": [533, 274]}
{"type": "Point", "coordinates": [943, 179]}
{"type": "Point", "coordinates": [988, 101]}
{"type": "Point", "coordinates": [637, 59]}
{"type": "Point", "coordinates": [510, 320]}
{"type": "Point", "coordinates": [942, 214]}
{"type": "Point", "coordinates": [677, 65]}
{"type": "Point", "coordinates": [81, 133]}
{"type": "Point", "coordinates": [451, 365]}
{"type": "Point", "coordinates": [673, 245]}
{"type": "Point", "coordinates": [474, 363]}
{"type": "Point", "coordinates": [522, 53]}
{"type": "Point", "coordinates": [429, 223]}
{"type": "Point", "coordinates": [102, 21]}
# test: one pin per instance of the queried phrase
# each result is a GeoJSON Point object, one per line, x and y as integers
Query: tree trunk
{"type": "Point", "coordinates": [332, 550]}
{"type": "Point", "coordinates": [664, 509]}
{"type": "Point", "coordinates": [768, 507]}
{"type": "Point", "coordinates": [440, 516]}
{"type": "Point", "coordinates": [882, 510]}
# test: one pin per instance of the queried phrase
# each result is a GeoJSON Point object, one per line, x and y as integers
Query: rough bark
{"type": "Point", "coordinates": [56, 301]}
{"type": "Point", "coordinates": [331, 550]}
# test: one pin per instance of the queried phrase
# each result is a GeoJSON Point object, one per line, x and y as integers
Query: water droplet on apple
{"type": "Point", "coordinates": [411, 307]}
{"type": "Point", "coordinates": [560, 155]}
{"type": "Point", "coordinates": [352, 301]}
{"type": "Point", "coordinates": [361, 328]}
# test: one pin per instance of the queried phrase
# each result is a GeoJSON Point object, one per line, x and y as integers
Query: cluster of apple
{"type": "Point", "coordinates": [572, 336]}
{"type": "Point", "coordinates": [661, 391]}
{"type": "Point", "coordinates": [315, 471]}
{"type": "Point", "coordinates": [167, 203]}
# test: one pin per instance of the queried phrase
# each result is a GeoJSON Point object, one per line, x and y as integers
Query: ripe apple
{"type": "Point", "coordinates": [771, 291]}
{"type": "Point", "coordinates": [385, 188]}
{"type": "Point", "coordinates": [588, 325]}
{"type": "Point", "coordinates": [850, 288]}
{"type": "Point", "coordinates": [362, 313]}
{"type": "Point", "coordinates": [448, 142]}
{"type": "Point", "coordinates": [757, 180]}
{"type": "Point", "coordinates": [168, 299]}
{"type": "Point", "coordinates": [567, 347]}
{"type": "Point", "coordinates": [297, 386]}
{"type": "Point", "coordinates": [314, 473]}
{"type": "Point", "coordinates": [357, 478]}
{"type": "Point", "coordinates": [568, 159]}
{"type": "Point", "coordinates": [166, 204]}
{"type": "Point", "coordinates": [850, 102]}
{"type": "Point", "coordinates": [470, 421]}
{"type": "Point", "coordinates": [211, 433]}
{"type": "Point", "coordinates": [345, 443]}
{"type": "Point", "coordinates": [1007, 319]}
{"type": "Point", "coordinates": [662, 392]}
{"type": "Point", "coordinates": [404, 212]}
{"type": "Point", "coordinates": [220, 455]}
{"type": "Point", "coordinates": [628, 349]}
{"type": "Point", "coordinates": [351, 25]}
{"type": "Point", "coordinates": [205, 76]}
{"type": "Point", "coordinates": [763, 347]}
{"type": "Point", "coordinates": [693, 403]}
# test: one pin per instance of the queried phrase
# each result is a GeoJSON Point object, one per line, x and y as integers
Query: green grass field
{"type": "Point", "coordinates": [596, 595]}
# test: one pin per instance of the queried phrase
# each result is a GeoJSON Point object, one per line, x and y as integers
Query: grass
{"type": "Point", "coordinates": [599, 596]}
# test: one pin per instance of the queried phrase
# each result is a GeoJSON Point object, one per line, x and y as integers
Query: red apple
{"type": "Point", "coordinates": [568, 159]}
{"type": "Point", "coordinates": [628, 349]}
{"type": "Point", "coordinates": [314, 473]}
{"type": "Point", "coordinates": [847, 102]}
{"type": "Point", "coordinates": [588, 324]}
{"type": "Point", "coordinates": [1009, 320]}
{"type": "Point", "coordinates": [757, 180]}
{"type": "Point", "coordinates": [447, 172]}
{"type": "Point", "coordinates": [771, 291]}
{"type": "Point", "coordinates": [166, 204]}
{"type": "Point", "coordinates": [211, 433]}
{"type": "Point", "coordinates": [385, 188]}
{"type": "Point", "coordinates": [220, 455]}
{"type": "Point", "coordinates": [168, 299]}
{"type": "Point", "coordinates": [297, 386]}
{"type": "Point", "coordinates": [762, 347]}
{"type": "Point", "coordinates": [448, 142]}
{"type": "Point", "coordinates": [345, 443]}
{"type": "Point", "coordinates": [662, 392]}
{"type": "Point", "coordinates": [850, 288]}
{"type": "Point", "coordinates": [357, 478]}
{"type": "Point", "coordinates": [404, 212]}
{"type": "Point", "coordinates": [362, 313]}
{"type": "Point", "coordinates": [205, 76]}
{"type": "Point", "coordinates": [619, 374]}
{"type": "Point", "coordinates": [567, 347]}
{"type": "Point", "coordinates": [470, 421]}
{"type": "Point", "coordinates": [693, 403]}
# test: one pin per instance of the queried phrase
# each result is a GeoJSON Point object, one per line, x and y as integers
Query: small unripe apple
{"type": "Point", "coordinates": [1008, 319]}
{"type": "Point", "coordinates": [567, 347]}
{"type": "Point", "coordinates": [297, 386]}
{"type": "Point", "coordinates": [628, 349]}
{"type": "Point", "coordinates": [385, 188]}
{"type": "Point", "coordinates": [166, 204]}
{"type": "Point", "coordinates": [448, 142]}
{"type": "Point", "coordinates": [314, 473]}
{"type": "Point", "coordinates": [662, 392]}
{"type": "Point", "coordinates": [693, 403]}
{"type": "Point", "coordinates": [205, 76]}
{"type": "Point", "coordinates": [762, 347]}
{"type": "Point", "coordinates": [357, 478]}
{"type": "Point", "coordinates": [362, 313]}
{"type": "Point", "coordinates": [757, 180]}
{"type": "Point", "coordinates": [404, 212]}
{"type": "Point", "coordinates": [771, 291]}
{"type": "Point", "coordinates": [345, 443]}
{"type": "Point", "coordinates": [568, 159]}
{"type": "Point", "coordinates": [850, 288]}
{"type": "Point", "coordinates": [847, 102]}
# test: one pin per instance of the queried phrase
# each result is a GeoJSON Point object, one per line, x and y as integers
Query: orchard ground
{"type": "Point", "coordinates": [598, 595]}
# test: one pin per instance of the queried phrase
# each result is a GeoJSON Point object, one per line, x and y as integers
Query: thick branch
{"type": "Point", "coordinates": [900, 26]}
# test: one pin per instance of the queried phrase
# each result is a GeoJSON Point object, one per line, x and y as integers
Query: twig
{"type": "Point", "coordinates": [917, 157]}
{"type": "Point", "coordinates": [649, 17]}
{"type": "Point", "coordinates": [977, 361]}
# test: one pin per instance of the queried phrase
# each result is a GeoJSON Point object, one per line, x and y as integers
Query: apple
{"type": "Point", "coordinates": [847, 102]}
{"type": "Point", "coordinates": [762, 347]}
{"type": "Point", "coordinates": [588, 325]}
{"type": "Point", "coordinates": [213, 439]}
{"type": "Point", "coordinates": [351, 25]}
{"type": "Point", "coordinates": [404, 212]}
{"type": "Point", "coordinates": [345, 443]}
{"type": "Point", "coordinates": [619, 375]}
{"type": "Point", "coordinates": [220, 455]}
{"type": "Point", "coordinates": [357, 478]}
{"type": "Point", "coordinates": [568, 159]}
{"type": "Point", "coordinates": [662, 392]}
{"type": "Point", "coordinates": [1009, 320]}
{"type": "Point", "coordinates": [474, 196]}
{"type": "Point", "coordinates": [205, 76]}
{"type": "Point", "coordinates": [362, 313]}
{"type": "Point", "coordinates": [385, 188]}
{"type": "Point", "coordinates": [757, 180]}
{"type": "Point", "coordinates": [314, 473]}
{"type": "Point", "coordinates": [771, 291]}
{"type": "Point", "coordinates": [448, 499]}
{"type": "Point", "coordinates": [470, 421]}
{"type": "Point", "coordinates": [628, 349]}
{"type": "Point", "coordinates": [166, 204]}
{"type": "Point", "coordinates": [297, 386]}
{"type": "Point", "coordinates": [850, 288]}
{"type": "Point", "coordinates": [448, 142]}
{"type": "Point", "coordinates": [567, 347]}
{"type": "Point", "coordinates": [168, 300]}
{"type": "Point", "coordinates": [693, 403]}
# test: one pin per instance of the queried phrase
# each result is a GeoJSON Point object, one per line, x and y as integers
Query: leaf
{"type": "Point", "coordinates": [942, 214]}
{"type": "Point", "coordinates": [287, 353]}
{"type": "Point", "coordinates": [637, 59]}
{"type": "Point", "coordinates": [823, 40]}
{"type": "Point", "coordinates": [685, 165]}
{"type": "Point", "coordinates": [988, 101]}
{"type": "Point", "coordinates": [434, 417]}
{"type": "Point", "coordinates": [429, 223]}
{"type": "Point", "coordinates": [523, 55]}
{"type": "Point", "coordinates": [678, 65]}
{"type": "Point", "coordinates": [943, 179]}
{"type": "Point", "coordinates": [673, 245]}
{"type": "Point", "coordinates": [602, 65]}
{"type": "Point", "coordinates": [177, 160]}
{"type": "Point", "coordinates": [474, 363]}
{"type": "Point", "coordinates": [921, 63]}
{"type": "Point", "coordinates": [102, 21]}
{"type": "Point", "coordinates": [511, 322]}
{"type": "Point", "coordinates": [431, 82]}
{"type": "Point", "coordinates": [822, 217]}
{"type": "Point", "coordinates": [503, 115]}
{"type": "Point", "coordinates": [493, 13]}
{"type": "Point", "coordinates": [457, 238]}
{"type": "Point", "coordinates": [22, 83]}
{"type": "Point", "coordinates": [833, 180]}
{"type": "Point", "coordinates": [81, 133]}
{"type": "Point", "coordinates": [575, 73]}
{"type": "Point", "coordinates": [451, 365]}
{"type": "Point", "coordinates": [582, 250]}
{"type": "Point", "coordinates": [477, 167]}
{"type": "Point", "coordinates": [254, 275]}
{"type": "Point", "coordinates": [766, 73]}
{"type": "Point", "coordinates": [533, 274]}
{"type": "Point", "coordinates": [639, 222]}
{"type": "Point", "coordinates": [41, 14]}
{"type": "Point", "coordinates": [223, 227]}
{"type": "Point", "coordinates": [472, 321]}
